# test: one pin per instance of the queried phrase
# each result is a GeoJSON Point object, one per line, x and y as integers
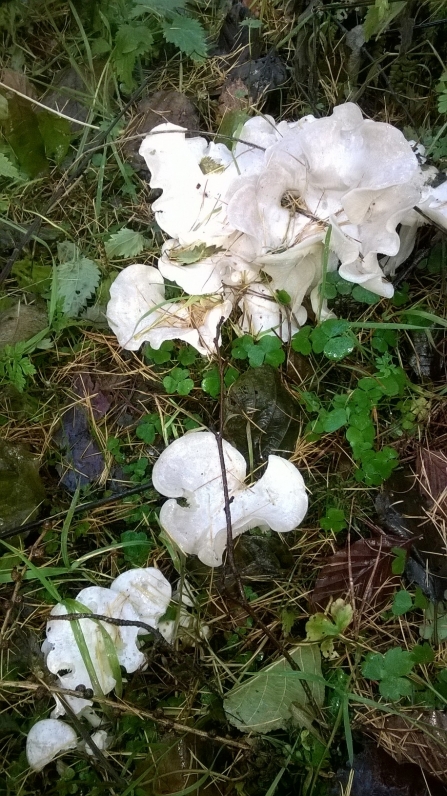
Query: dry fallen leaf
{"type": "Point", "coordinates": [432, 472]}
{"type": "Point", "coordinates": [362, 570]}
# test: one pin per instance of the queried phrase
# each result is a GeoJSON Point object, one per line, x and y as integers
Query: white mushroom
{"type": "Point", "coordinates": [140, 595]}
{"type": "Point", "coordinates": [138, 312]}
{"type": "Point", "coordinates": [194, 177]}
{"type": "Point", "coordinates": [47, 739]}
{"type": "Point", "coordinates": [190, 468]}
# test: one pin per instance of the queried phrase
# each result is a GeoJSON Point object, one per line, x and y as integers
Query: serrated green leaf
{"type": "Point", "coordinates": [130, 42]}
{"type": "Point", "coordinates": [187, 34]}
{"type": "Point", "coordinates": [422, 653]}
{"type": "Point", "coordinates": [156, 7]}
{"type": "Point", "coordinates": [394, 688]}
{"type": "Point", "coordinates": [125, 243]}
{"type": "Point", "coordinates": [77, 279]}
{"type": "Point", "coordinates": [263, 703]}
{"type": "Point", "coordinates": [7, 169]}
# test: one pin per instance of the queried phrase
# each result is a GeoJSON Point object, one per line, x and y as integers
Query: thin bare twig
{"type": "Point", "coordinates": [242, 600]}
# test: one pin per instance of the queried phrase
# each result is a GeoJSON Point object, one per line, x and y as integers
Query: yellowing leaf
{"type": "Point", "coordinates": [263, 703]}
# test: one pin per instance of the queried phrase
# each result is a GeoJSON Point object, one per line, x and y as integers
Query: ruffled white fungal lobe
{"type": "Point", "coordinates": [138, 312]}
{"type": "Point", "coordinates": [194, 177]}
{"type": "Point", "coordinates": [190, 468]}
{"type": "Point", "coordinates": [46, 740]}
{"type": "Point", "coordinates": [140, 595]}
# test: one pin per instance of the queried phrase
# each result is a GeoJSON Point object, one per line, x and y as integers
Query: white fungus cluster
{"type": "Point", "coordinates": [246, 223]}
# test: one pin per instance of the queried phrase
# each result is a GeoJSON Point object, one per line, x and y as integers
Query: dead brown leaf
{"type": "Point", "coordinates": [418, 737]}
{"type": "Point", "coordinates": [361, 571]}
{"type": "Point", "coordinates": [432, 472]}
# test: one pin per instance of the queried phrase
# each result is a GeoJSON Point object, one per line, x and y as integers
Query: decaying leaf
{"type": "Point", "coordinates": [432, 472]}
{"type": "Point", "coordinates": [84, 462]}
{"type": "Point", "coordinates": [21, 490]}
{"type": "Point", "coordinates": [376, 774]}
{"type": "Point", "coordinates": [22, 322]}
{"type": "Point", "coordinates": [418, 736]}
{"type": "Point", "coordinates": [265, 701]}
{"type": "Point", "coordinates": [260, 415]}
{"type": "Point", "coordinates": [362, 569]}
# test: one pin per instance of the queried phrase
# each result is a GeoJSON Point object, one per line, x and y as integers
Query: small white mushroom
{"type": "Point", "coordinates": [190, 468]}
{"type": "Point", "coordinates": [141, 595]}
{"type": "Point", "coordinates": [47, 739]}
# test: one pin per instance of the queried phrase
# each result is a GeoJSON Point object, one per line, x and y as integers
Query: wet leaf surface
{"type": "Point", "coordinates": [21, 489]}
{"type": "Point", "coordinates": [364, 568]}
{"type": "Point", "coordinates": [424, 744]}
{"type": "Point", "coordinates": [403, 507]}
{"type": "Point", "coordinates": [260, 415]}
{"type": "Point", "coordinates": [264, 702]}
{"type": "Point", "coordinates": [83, 461]}
{"type": "Point", "coordinates": [376, 774]}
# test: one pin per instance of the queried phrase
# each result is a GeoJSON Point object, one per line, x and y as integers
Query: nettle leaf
{"type": "Point", "coordinates": [265, 702]}
{"type": "Point", "coordinates": [156, 7]}
{"type": "Point", "coordinates": [7, 169]}
{"type": "Point", "coordinates": [125, 243]}
{"type": "Point", "coordinates": [187, 34]}
{"type": "Point", "coordinates": [130, 42]}
{"type": "Point", "coordinates": [77, 279]}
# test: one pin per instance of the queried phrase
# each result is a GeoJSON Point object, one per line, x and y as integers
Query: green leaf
{"type": "Point", "coordinates": [394, 688]}
{"type": "Point", "coordinates": [162, 7]}
{"type": "Point", "coordinates": [137, 552]}
{"type": "Point", "coordinates": [56, 134]}
{"type": "Point", "coordinates": [283, 297]}
{"type": "Point", "coordinates": [131, 41]}
{"type": "Point", "coordinates": [398, 565]}
{"type": "Point", "coordinates": [159, 355]}
{"type": "Point", "coordinates": [23, 135]}
{"type": "Point", "coordinates": [77, 279]}
{"type": "Point", "coordinates": [184, 387]}
{"type": "Point", "coordinates": [146, 431]}
{"type": "Point", "coordinates": [338, 347]}
{"type": "Point", "coordinates": [187, 355]}
{"type": "Point", "coordinates": [187, 255]}
{"type": "Point", "coordinates": [364, 296]}
{"type": "Point", "coordinates": [275, 358]}
{"type": "Point", "coordinates": [187, 34]}
{"type": "Point", "coordinates": [301, 342]}
{"type": "Point", "coordinates": [256, 356]}
{"type": "Point", "coordinates": [335, 420]}
{"type": "Point", "coordinates": [402, 602]}
{"type": "Point", "coordinates": [125, 243]}
{"type": "Point", "coordinates": [211, 382]}
{"type": "Point", "coordinates": [334, 520]}
{"type": "Point", "coordinates": [240, 346]}
{"type": "Point", "coordinates": [263, 703]}
{"type": "Point", "coordinates": [8, 170]}
{"type": "Point", "coordinates": [319, 626]}
{"type": "Point", "coordinates": [334, 327]}
{"type": "Point", "coordinates": [422, 653]}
